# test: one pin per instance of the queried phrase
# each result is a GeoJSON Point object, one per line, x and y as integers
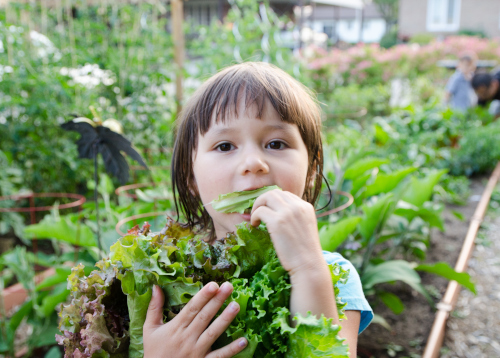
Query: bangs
{"type": "Point", "coordinates": [257, 84]}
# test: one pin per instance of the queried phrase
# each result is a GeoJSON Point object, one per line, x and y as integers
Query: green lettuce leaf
{"type": "Point", "coordinates": [239, 201]}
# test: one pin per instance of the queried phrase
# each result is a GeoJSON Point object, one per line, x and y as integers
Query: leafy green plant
{"type": "Point", "coordinates": [38, 311]}
{"type": "Point", "coordinates": [478, 152]}
{"type": "Point", "coordinates": [180, 264]}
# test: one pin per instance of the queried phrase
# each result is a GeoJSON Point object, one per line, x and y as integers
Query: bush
{"type": "Point", "coordinates": [478, 153]}
{"type": "Point", "coordinates": [470, 32]}
{"type": "Point", "coordinates": [422, 39]}
{"type": "Point", "coordinates": [390, 38]}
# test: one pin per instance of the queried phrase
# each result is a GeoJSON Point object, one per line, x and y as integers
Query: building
{"type": "Point", "coordinates": [348, 21]}
{"type": "Point", "coordinates": [203, 12]}
{"type": "Point", "coordinates": [340, 20]}
{"type": "Point", "coordinates": [447, 17]}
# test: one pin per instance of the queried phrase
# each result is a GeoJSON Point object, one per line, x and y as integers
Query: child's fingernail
{"type": "Point", "coordinates": [212, 287]}
{"type": "Point", "coordinates": [155, 290]}
{"type": "Point", "coordinates": [242, 342]}
{"type": "Point", "coordinates": [233, 306]}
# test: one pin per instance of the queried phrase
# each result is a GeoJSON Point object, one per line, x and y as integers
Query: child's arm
{"type": "Point", "coordinates": [187, 335]}
{"type": "Point", "coordinates": [293, 227]}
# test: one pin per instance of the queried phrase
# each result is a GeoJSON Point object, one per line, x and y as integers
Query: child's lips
{"type": "Point", "coordinates": [247, 214]}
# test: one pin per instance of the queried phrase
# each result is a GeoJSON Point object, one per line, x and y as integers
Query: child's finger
{"type": "Point", "coordinates": [260, 214]}
{"type": "Point", "coordinates": [219, 325]}
{"type": "Point", "coordinates": [203, 319]}
{"type": "Point", "coordinates": [154, 315]}
{"type": "Point", "coordinates": [272, 199]}
{"type": "Point", "coordinates": [196, 304]}
{"type": "Point", "coordinates": [230, 350]}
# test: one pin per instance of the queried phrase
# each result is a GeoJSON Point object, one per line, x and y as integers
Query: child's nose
{"type": "Point", "coordinates": [254, 163]}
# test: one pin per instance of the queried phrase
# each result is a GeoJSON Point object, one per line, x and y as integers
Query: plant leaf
{"type": "Point", "coordinates": [62, 230]}
{"type": "Point", "coordinates": [386, 182]}
{"type": "Point", "coordinates": [239, 201]}
{"type": "Point", "coordinates": [390, 271]}
{"type": "Point", "coordinates": [376, 215]}
{"type": "Point", "coordinates": [420, 190]}
{"type": "Point", "coordinates": [361, 166]}
{"type": "Point", "coordinates": [445, 270]}
{"type": "Point", "coordinates": [378, 319]}
{"type": "Point", "coordinates": [333, 235]}
{"type": "Point", "coordinates": [391, 301]}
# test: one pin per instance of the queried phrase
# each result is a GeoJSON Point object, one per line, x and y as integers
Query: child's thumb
{"type": "Point", "coordinates": [154, 316]}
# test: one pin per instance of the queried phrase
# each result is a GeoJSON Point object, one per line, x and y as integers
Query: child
{"type": "Point", "coordinates": [459, 92]}
{"type": "Point", "coordinates": [249, 126]}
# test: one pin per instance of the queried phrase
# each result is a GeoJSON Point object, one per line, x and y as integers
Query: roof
{"type": "Point", "coordinates": [353, 4]}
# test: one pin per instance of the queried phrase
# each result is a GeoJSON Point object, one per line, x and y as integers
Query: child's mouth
{"type": "Point", "coordinates": [247, 211]}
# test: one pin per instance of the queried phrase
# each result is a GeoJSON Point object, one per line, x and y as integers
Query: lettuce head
{"type": "Point", "coordinates": [107, 308]}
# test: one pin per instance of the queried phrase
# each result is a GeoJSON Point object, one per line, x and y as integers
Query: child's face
{"type": "Point", "coordinates": [247, 153]}
{"type": "Point", "coordinates": [466, 67]}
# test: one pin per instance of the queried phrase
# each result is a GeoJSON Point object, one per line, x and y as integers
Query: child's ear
{"type": "Point", "coordinates": [311, 180]}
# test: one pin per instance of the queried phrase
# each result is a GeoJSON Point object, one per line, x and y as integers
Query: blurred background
{"type": "Point", "coordinates": [409, 145]}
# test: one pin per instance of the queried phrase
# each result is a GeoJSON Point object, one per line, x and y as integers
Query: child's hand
{"type": "Point", "coordinates": [293, 227]}
{"type": "Point", "coordinates": [187, 335]}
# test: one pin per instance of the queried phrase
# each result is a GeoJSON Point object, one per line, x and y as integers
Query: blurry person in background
{"type": "Point", "coordinates": [459, 93]}
{"type": "Point", "coordinates": [487, 87]}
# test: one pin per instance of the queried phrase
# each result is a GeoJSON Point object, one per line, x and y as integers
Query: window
{"type": "Point", "coordinates": [443, 15]}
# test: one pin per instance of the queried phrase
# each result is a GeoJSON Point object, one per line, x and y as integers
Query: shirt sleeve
{"type": "Point", "coordinates": [352, 291]}
{"type": "Point", "coordinates": [452, 84]}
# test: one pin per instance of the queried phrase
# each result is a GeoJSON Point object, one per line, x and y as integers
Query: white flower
{"type": "Point", "coordinates": [45, 47]}
{"type": "Point", "coordinates": [90, 75]}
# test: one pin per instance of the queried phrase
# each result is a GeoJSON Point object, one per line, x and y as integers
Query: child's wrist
{"type": "Point", "coordinates": [314, 270]}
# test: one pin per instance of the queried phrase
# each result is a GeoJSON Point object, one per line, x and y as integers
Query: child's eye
{"type": "Point", "coordinates": [224, 147]}
{"type": "Point", "coordinates": [276, 144]}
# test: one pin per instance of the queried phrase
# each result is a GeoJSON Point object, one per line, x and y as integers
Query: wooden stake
{"type": "Point", "coordinates": [43, 7]}
{"type": "Point", "coordinates": [10, 49]}
{"type": "Point", "coordinates": [177, 20]}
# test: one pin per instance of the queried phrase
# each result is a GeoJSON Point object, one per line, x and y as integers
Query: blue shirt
{"type": "Point", "coordinates": [461, 91]}
{"type": "Point", "coordinates": [352, 291]}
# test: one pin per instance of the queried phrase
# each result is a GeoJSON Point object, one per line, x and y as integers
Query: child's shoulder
{"type": "Point", "coordinates": [336, 258]}
{"type": "Point", "coordinates": [352, 291]}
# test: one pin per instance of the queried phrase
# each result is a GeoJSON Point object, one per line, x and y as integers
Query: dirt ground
{"type": "Point", "coordinates": [409, 330]}
{"type": "Point", "coordinates": [474, 327]}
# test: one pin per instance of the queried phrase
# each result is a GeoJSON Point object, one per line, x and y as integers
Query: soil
{"type": "Point", "coordinates": [410, 329]}
{"type": "Point", "coordinates": [473, 329]}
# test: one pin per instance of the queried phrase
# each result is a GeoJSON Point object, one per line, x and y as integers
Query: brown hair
{"type": "Point", "coordinates": [256, 83]}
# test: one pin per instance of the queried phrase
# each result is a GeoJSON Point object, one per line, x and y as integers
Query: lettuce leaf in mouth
{"type": "Point", "coordinates": [108, 308]}
{"type": "Point", "coordinates": [239, 201]}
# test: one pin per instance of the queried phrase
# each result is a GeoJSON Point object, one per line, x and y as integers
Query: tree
{"type": "Point", "coordinates": [389, 11]}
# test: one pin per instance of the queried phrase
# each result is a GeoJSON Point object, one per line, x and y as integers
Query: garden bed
{"type": "Point", "coordinates": [409, 330]}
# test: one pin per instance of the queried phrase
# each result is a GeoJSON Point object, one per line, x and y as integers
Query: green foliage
{"type": "Point", "coordinates": [443, 269]}
{"type": "Point", "coordinates": [390, 38]}
{"type": "Point", "coordinates": [180, 263]}
{"type": "Point", "coordinates": [390, 271]}
{"type": "Point", "coordinates": [121, 70]}
{"type": "Point", "coordinates": [62, 229]}
{"type": "Point", "coordinates": [423, 38]}
{"type": "Point", "coordinates": [472, 32]}
{"type": "Point", "coordinates": [37, 310]}
{"type": "Point", "coordinates": [478, 152]}
{"type": "Point", "coordinates": [332, 236]}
